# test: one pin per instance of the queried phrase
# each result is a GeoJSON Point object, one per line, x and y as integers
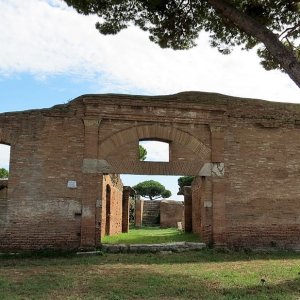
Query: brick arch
{"type": "Point", "coordinates": [156, 132]}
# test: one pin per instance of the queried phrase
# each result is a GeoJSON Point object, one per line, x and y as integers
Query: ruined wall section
{"type": "Point", "coordinates": [262, 159]}
{"type": "Point", "coordinates": [46, 153]}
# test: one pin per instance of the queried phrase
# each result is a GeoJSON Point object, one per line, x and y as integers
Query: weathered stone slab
{"type": "Point", "coordinates": [153, 248]}
{"type": "Point", "coordinates": [213, 169]}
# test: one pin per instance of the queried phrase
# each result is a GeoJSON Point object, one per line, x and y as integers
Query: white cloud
{"type": "Point", "coordinates": [47, 37]}
{"type": "Point", "coordinates": [4, 156]}
{"type": "Point", "coordinates": [156, 151]}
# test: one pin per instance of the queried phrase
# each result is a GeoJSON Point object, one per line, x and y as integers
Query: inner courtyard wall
{"type": "Point", "coordinates": [116, 193]}
{"type": "Point", "coordinates": [171, 213]}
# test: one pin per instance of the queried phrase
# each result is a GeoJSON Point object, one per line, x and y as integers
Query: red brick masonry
{"type": "Point", "coordinates": [245, 152]}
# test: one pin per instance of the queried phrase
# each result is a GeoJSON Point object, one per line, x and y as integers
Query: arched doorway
{"type": "Point", "coordinates": [187, 154]}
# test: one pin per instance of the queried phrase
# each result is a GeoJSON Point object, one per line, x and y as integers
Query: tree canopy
{"type": "Point", "coordinates": [271, 25]}
{"type": "Point", "coordinates": [152, 190]}
{"type": "Point", "coordinates": [3, 173]}
{"type": "Point", "coordinates": [184, 181]}
{"type": "Point", "coordinates": [142, 153]}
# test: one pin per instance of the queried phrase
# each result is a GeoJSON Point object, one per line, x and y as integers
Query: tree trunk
{"type": "Point", "coordinates": [285, 57]}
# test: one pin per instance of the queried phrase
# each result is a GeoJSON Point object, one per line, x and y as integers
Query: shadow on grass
{"type": "Point", "coordinates": [33, 286]}
{"type": "Point", "coordinates": [287, 289]}
{"type": "Point", "coordinates": [123, 282]}
{"type": "Point", "coordinates": [199, 256]}
{"type": "Point", "coordinates": [143, 284]}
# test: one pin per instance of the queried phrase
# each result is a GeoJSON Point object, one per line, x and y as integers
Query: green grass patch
{"type": "Point", "coordinates": [206, 274]}
{"type": "Point", "coordinates": [151, 235]}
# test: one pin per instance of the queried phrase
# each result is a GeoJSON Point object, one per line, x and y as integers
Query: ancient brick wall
{"type": "Point", "coordinates": [171, 212]}
{"type": "Point", "coordinates": [262, 203]}
{"type": "Point", "coordinates": [245, 151]}
{"type": "Point", "coordinates": [151, 213]}
{"type": "Point", "coordinates": [45, 154]}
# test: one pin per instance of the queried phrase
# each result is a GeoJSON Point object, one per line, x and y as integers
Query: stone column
{"type": "Point", "coordinates": [91, 200]}
{"type": "Point", "coordinates": [188, 225]}
{"type": "Point", "coordinates": [139, 207]}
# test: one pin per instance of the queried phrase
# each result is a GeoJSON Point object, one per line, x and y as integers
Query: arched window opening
{"type": "Point", "coordinates": [154, 151]}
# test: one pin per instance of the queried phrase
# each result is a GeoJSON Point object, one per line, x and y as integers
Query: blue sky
{"type": "Point", "coordinates": [49, 55]}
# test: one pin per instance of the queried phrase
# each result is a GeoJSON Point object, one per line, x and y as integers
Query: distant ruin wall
{"type": "Point", "coordinates": [171, 212]}
{"type": "Point", "coordinates": [151, 213]}
{"type": "Point", "coordinates": [163, 213]}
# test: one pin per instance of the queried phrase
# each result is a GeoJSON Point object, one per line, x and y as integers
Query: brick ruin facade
{"type": "Point", "coordinates": [244, 152]}
{"type": "Point", "coordinates": [163, 213]}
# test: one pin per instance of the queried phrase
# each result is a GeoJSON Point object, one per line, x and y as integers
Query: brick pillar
{"type": "Point", "coordinates": [187, 192]}
{"type": "Point", "coordinates": [206, 211]}
{"type": "Point", "coordinates": [125, 208]}
{"type": "Point", "coordinates": [219, 217]}
{"type": "Point", "coordinates": [218, 188]}
{"type": "Point", "coordinates": [196, 205]}
{"type": "Point", "coordinates": [92, 185]}
{"type": "Point", "coordinates": [139, 207]}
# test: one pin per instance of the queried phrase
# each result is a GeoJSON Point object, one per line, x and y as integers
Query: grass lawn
{"type": "Point", "coordinates": [151, 235]}
{"type": "Point", "coordinates": [205, 274]}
